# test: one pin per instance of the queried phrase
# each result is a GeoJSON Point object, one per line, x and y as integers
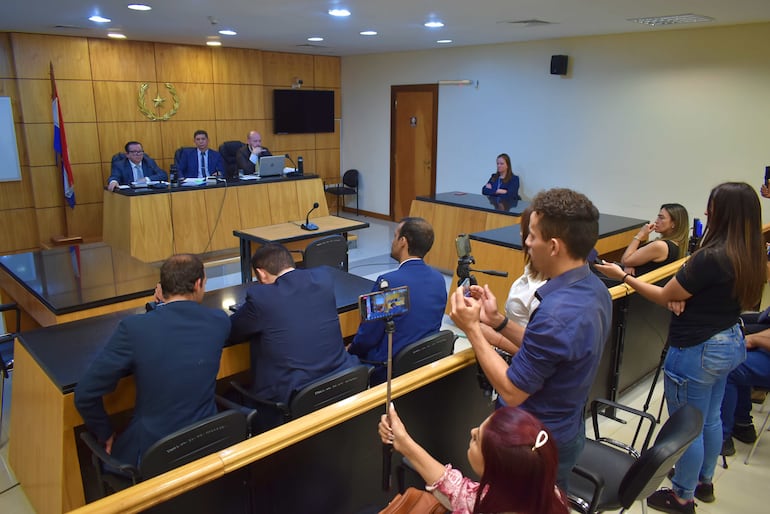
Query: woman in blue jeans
{"type": "Point", "coordinates": [724, 276]}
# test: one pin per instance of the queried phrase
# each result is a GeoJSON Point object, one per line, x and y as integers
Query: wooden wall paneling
{"type": "Point", "coordinates": [82, 141]}
{"type": "Point", "coordinates": [223, 216]}
{"type": "Point", "coordinates": [114, 136]}
{"type": "Point", "coordinates": [293, 141]}
{"type": "Point", "coordinates": [116, 210]}
{"type": "Point", "coordinates": [254, 205]}
{"type": "Point", "coordinates": [35, 100]}
{"type": "Point", "coordinates": [328, 165]}
{"type": "Point", "coordinates": [150, 227]}
{"type": "Point", "coordinates": [329, 139]}
{"type": "Point", "coordinates": [39, 142]}
{"type": "Point", "coordinates": [237, 130]}
{"type": "Point", "coordinates": [283, 202]}
{"type": "Point", "coordinates": [175, 134]}
{"type": "Point", "coordinates": [117, 101]}
{"type": "Point", "coordinates": [85, 219]}
{"type": "Point", "coordinates": [327, 71]}
{"type": "Point", "coordinates": [6, 56]}
{"type": "Point", "coordinates": [122, 60]}
{"type": "Point", "coordinates": [88, 183]}
{"type": "Point", "coordinates": [33, 54]}
{"type": "Point", "coordinates": [77, 101]}
{"type": "Point", "coordinates": [17, 194]}
{"type": "Point", "coordinates": [499, 220]}
{"type": "Point", "coordinates": [236, 66]}
{"type": "Point", "coordinates": [50, 222]}
{"type": "Point", "coordinates": [19, 230]}
{"type": "Point", "coordinates": [47, 187]}
{"type": "Point", "coordinates": [188, 215]}
{"type": "Point", "coordinates": [183, 63]}
{"type": "Point", "coordinates": [308, 192]}
{"type": "Point", "coordinates": [196, 102]}
{"type": "Point", "coordinates": [237, 102]}
{"type": "Point", "coordinates": [280, 69]}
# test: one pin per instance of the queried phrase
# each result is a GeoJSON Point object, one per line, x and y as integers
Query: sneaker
{"type": "Point", "coordinates": [665, 500]}
{"type": "Point", "coordinates": [745, 433]}
{"type": "Point", "coordinates": [705, 492]}
{"type": "Point", "coordinates": [728, 447]}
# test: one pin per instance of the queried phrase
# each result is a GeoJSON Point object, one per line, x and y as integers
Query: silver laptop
{"type": "Point", "coordinates": [271, 166]}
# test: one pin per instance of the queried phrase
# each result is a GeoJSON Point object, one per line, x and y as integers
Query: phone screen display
{"type": "Point", "coordinates": [466, 285]}
{"type": "Point", "coordinates": [383, 304]}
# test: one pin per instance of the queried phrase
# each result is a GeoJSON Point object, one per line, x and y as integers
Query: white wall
{"type": "Point", "coordinates": [640, 120]}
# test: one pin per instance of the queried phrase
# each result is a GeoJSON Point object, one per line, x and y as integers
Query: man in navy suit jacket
{"type": "Point", "coordinates": [173, 352]}
{"type": "Point", "coordinates": [291, 319]}
{"type": "Point", "coordinates": [413, 239]}
{"type": "Point", "coordinates": [134, 166]}
{"type": "Point", "coordinates": [201, 161]}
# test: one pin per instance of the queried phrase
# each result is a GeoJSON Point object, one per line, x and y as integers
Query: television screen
{"type": "Point", "coordinates": [297, 111]}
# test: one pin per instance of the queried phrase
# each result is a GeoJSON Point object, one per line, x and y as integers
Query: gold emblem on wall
{"type": "Point", "coordinates": [158, 102]}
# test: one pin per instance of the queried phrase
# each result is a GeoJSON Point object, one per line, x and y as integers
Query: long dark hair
{"type": "Point", "coordinates": [509, 174]}
{"type": "Point", "coordinates": [735, 224]}
{"type": "Point", "coordinates": [517, 476]}
{"type": "Point", "coordinates": [681, 232]}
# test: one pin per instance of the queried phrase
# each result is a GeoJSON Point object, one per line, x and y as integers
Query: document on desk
{"type": "Point", "coordinates": [250, 177]}
{"type": "Point", "coordinates": [193, 182]}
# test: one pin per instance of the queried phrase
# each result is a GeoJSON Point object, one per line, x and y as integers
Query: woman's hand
{"type": "Point", "coordinates": [392, 431]}
{"type": "Point", "coordinates": [645, 231]}
{"type": "Point", "coordinates": [611, 270]}
{"type": "Point", "coordinates": [488, 186]}
{"type": "Point", "coordinates": [676, 306]}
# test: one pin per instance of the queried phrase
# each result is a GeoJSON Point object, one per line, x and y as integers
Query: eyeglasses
{"type": "Point", "coordinates": [136, 151]}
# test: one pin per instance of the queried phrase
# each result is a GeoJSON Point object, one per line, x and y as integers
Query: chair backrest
{"type": "Point", "coordinates": [428, 349]}
{"type": "Point", "coordinates": [350, 178]}
{"type": "Point", "coordinates": [648, 471]}
{"type": "Point", "coordinates": [327, 251]}
{"type": "Point", "coordinates": [328, 390]}
{"type": "Point", "coordinates": [179, 152]}
{"type": "Point", "coordinates": [210, 435]}
{"type": "Point", "coordinates": [117, 157]}
{"type": "Point", "coordinates": [229, 151]}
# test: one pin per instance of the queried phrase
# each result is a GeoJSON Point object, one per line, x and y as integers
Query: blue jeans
{"type": "Point", "coordinates": [568, 456]}
{"type": "Point", "coordinates": [697, 375]}
{"type": "Point", "coordinates": [736, 405]}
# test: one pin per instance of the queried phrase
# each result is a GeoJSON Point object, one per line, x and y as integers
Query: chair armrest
{"type": "Point", "coordinates": [618, 406]}
{"type": "Point", "coordinates": [226, 404]}
{"type": "Point", "coordinates": [279, 406]}
{"type": "Point", "coordinates": [98, 452]}
{"type": "Point", "coordinates": [598, 483]}
{"type": "Point", "coordinates": [373, 363]}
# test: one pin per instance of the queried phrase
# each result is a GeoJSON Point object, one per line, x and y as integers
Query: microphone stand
{"type": "Point", "coordinates": [292, 161]}
{"type": "Point", "coordinates": [307, 225]}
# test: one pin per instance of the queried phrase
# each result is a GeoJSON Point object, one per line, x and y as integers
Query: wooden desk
{"type": "Point", "coordinates": [288, 233]}
{"type": "Point", "coordinates": [456, 213]}
{"type": "Point", "coordinates": [50, 361]}
{"type": "Point", "coordinates": [152, 224]}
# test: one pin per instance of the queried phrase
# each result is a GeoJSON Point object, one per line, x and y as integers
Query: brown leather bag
{"type": "Point", "coordinates": [414, 501]}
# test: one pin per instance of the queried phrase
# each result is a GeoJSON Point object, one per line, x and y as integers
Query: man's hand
{"type": "Point", "coordinates": [159, 293]}
{"type": "Point", "coordinates": [256, 150]}
{"type": "Point", "coordinates": [112, 185]}
{"type": "Point", "coordinates": [108, 444]}
{"type": "Point", "coordinates": [488, 313]}
{"type": "Point", "coordinates": [465, 311]}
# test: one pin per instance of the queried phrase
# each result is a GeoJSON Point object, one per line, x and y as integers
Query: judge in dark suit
{"type": "Point", "coordinates": [134, 166]}
{"type": "Point", "coordinates": [201, 161]}
{"type": "Point", "coordinates": [173, 352]}
{"type": "Point", "coordinates": [290, 317]}
{"type": "Point", "coordinates": [413, 239]}
{"type": "Point", "coordinates": [251, 152]}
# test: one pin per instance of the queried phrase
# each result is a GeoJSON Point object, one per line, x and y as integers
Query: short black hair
{"type": "Point", "coordinates": [272, 258]}
{"type": "Point", "coordinates": [179, 274]}
{"type": "Point", "coordinates": [132, 143]}
{"type": "Point", "coordinates": [419, 235]}
{"type": "Point", "coordinates": [199, 132]}
{"type": "Point", "coordinates": [570, 216]}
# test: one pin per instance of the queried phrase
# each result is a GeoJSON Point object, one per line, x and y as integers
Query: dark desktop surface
{"type": "Point", "coordinates": [208, 184]}
{"type": "Point", "coordinates": [65, 351]}
{"type": "Point", "coordinates": [79, 277]}
{"type": "Point", "coordinates": [510, 236]}
{"type": "Point", "coordinates": [478, 202]}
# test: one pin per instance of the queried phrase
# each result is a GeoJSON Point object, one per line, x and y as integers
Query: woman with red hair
{"type": "Point", "coordinates": [511, 451]}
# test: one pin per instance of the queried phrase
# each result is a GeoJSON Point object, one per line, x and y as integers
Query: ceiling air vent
{"type": "Point", "coordinates": [533, 22]}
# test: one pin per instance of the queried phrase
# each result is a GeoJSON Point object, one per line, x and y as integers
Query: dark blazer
{"type": "Point", "coordinates": [427, 298]}
{"type": "Point", "coordinates": [512, 187]}
{"type": "Point", "coordinates": [124, 174]}
{"type": "Point", "coordinates": [188, 163]}
{"type": "Point", "coordinates": [242, 158]}
{"type": "Point", "coordinates": [294, 332]}
{"type": "Point", "coordinates": [173, 353]}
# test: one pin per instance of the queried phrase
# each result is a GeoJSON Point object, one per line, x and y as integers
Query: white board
{"type": "Point", "coordinates": [9, 152]}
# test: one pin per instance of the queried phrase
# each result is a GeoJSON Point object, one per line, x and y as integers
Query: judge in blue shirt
{"type": "Point", "coordinates": [201, 161]}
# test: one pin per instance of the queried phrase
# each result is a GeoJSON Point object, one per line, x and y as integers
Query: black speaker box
{"type": "Point", "coordinates": [559, 64]}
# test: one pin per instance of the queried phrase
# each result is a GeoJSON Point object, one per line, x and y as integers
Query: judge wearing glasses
{"type": "Point", "coordinates": [134, 166]}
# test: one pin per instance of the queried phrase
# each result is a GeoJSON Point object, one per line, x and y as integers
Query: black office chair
{"type": "Point", "coordinates": [428, 349]}
{"type": "Point", "coordinates": [213, 434]}
{"type": "Point", "coordinates": [229, 152]}
{"type": "Point", "coordinates": [6, 348]}
{"type": "Point", "coordinates": [316, 395]}
{"type": "Point", "coordinates": [179, 152]}
{"type": "Point", "coordinates": [349, 186]}
{"type": "Point", "coordinates": [327, 251]}
{"type": "Point", "coordinates": [610, 475]}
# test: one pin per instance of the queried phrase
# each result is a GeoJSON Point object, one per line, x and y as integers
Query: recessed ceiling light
{"type": "Point", "coordinates": [674, 19]}
{"type": "Point", "coordinates": [214, 43]}
{"type": "Point", "coordinates": [228, 32]}
{"type": "Point", "coordinates": [139, 7]}
{"type": "Point", "coordinates": [99, 19]}
{"type": "Point", "coordinates": [444, 41]}
{"type": "Point", "coordinates": [315, 39]}
{"type": "Point", "coordinates": [368, 32]}
{"type": "Point", "coordinates": [434, 24]}
{"type": "Point", "coordinates": [339, 12]}
{"type": "Point", "coordinates": [116, 35]}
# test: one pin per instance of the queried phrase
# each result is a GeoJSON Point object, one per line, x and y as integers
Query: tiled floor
{"type": "Point", "coordinates": [739, 489]}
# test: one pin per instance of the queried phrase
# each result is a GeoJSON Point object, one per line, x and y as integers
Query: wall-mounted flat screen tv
{"type": "Point", "coordinates": [302, 111]}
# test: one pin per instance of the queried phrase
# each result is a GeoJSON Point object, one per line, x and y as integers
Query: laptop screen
{"type": "Point", "coordinates": [272, 165]}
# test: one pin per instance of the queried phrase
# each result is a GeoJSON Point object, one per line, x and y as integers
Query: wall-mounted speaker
{"type": "Point", "coordinates": [559, 64]}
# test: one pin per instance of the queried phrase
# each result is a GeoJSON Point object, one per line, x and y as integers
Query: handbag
{"type": "Point", "coordinates": [414, 501]}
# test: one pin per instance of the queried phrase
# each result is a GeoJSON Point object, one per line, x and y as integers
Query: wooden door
{"type": "Point", "coordinates": [413, 129]}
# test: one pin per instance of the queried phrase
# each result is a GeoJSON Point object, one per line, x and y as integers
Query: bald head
{"type": "Point", "coordinates": [254, 139]}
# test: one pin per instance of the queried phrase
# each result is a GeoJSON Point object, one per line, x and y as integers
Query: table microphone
{"type": "Point", "coordinates": [292, 161]}
{"type": "Point", "coordinates": [307, 225]}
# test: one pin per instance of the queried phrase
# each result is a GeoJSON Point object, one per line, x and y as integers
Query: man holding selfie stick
{"type": "Point", "coordinates": [412, 240]}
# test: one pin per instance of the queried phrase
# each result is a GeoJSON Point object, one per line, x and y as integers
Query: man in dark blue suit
{"type": "Point", "coordinates": [134, 166]}
{"type": "Point", "coordinates": [291, 319]}
{"type": "Point", "coordinates": [413, 239]}
{"type": "Point", "coordinates": [201, 161]}
{"type": "Point", "coordinates": [173, 352]}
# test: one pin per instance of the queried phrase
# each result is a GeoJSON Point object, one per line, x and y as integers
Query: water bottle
{"type": "Point", "coordinates": [299, 165]}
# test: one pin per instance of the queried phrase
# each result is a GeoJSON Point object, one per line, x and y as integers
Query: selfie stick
{"type": "Point", "coordinates": [387, 449]}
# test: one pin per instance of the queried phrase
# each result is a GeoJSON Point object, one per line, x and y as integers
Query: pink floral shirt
{"type": "Point", "coordinates": [459, 491]}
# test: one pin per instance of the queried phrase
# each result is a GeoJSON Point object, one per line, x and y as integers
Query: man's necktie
{"type": "Point", "coordinates": [138, 175]}
{"type": "Point", "coordinates": [202, 173]}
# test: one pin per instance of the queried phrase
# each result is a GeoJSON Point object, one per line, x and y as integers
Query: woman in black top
{"type": "Point", "coordinates": [672, 224]}
{"type": "Point", "coordinates": [724, 276]}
